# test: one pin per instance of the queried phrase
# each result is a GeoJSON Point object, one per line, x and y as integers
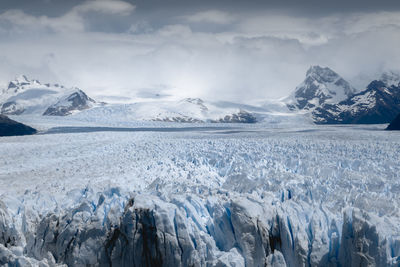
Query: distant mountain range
{"type": "Point", "coordinates": [188, 110]}
{"type": "Point", "coordinates": [24, 96]}
{"type": "Point", "coordinates": [330, 99]}
{"type": "Point", "coordinates": [324, 96]}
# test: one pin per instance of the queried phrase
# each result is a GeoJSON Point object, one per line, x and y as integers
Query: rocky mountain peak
{"type": "Point", "coordinates": [378, 103]}
{"type": "Point", "coordinates": [20, 81]}
{"type": "Point", "coordinates": [196, 101]}
{"type": "Point", "coordinates": [321, 85]}
{"type": "Point", "coordinates": [71, 103]}
{"type": "Point", "coordinates": [322, 74]}
{"type": "Point", "coordinates": [29, 96]}
{"type": "Point", "coordinates": [376, 85]}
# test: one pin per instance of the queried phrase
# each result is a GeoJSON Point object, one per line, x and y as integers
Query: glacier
{"type": "Point", "coordinates": [238, 195]}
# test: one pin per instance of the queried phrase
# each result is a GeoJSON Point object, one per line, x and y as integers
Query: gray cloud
{"type": "Point", "coordinates": [105, 6]}
{"type": "Point", "coordinates": [123, 48]}
{"type": "Point", "coordinates": [210, 16]}
{"type": "Point", "coordinates": [72, 20]}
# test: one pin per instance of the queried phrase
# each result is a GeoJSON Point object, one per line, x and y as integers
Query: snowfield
{"type": "Point", "coordinates": [238, 195]}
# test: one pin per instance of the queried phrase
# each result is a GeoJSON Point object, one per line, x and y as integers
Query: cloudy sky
{"type": "Point", "coordinates": [233, 50]}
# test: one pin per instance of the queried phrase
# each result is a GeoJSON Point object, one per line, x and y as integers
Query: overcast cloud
{"type": "Point", "coordinates": [225, 50]}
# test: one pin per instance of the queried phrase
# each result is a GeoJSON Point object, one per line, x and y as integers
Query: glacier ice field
{"type": "Point", "coordinates": [212, 196]}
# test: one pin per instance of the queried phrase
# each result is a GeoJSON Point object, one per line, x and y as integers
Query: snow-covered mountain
{"type": "Point", "coordinates": [25, 96]}
{"type": "Point", "coordinates": [330, 99]}
{"type": "Point", "coordinates": [324, 96]}
{"type": "Point", "coordinates": [70, 103]}
{"type": "Point", "coordinates": [188, 110]}
{"type": "Point", "coordinates": [321, 86]}
{"type": "Point", "coordinates": [378, 103]}
{"type": "Point", "coordinates": [30, 97]}
{"type": "Point", "coordinates": [185, 110]}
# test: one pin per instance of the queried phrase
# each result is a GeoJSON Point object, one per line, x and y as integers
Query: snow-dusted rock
{"type": "Point", "coordinates": [241, 117]}
{"type": "Point", "coordinates": [69, 104]}
{"type": "Point", "coordinates": [329, 99]}
{"type": "Point", "coordinates": [25, 96]}
{"type": "Point", "coordinates": [188, 110]}
{"type": "Point", "coordinates": [321, 85]}
{"type": "Point", "coordinates": [379, 103]}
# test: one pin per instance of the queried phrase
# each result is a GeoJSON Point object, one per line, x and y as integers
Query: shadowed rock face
{"type": "Point", "coordinates": [331, 100]}
{"type": "Point", "coordinates": [76, 101]}
{"type": "Point", "coordinates": [395, 124]}
{"type": "Point", "coordinates": [241, 117]}
{"type": "Point", "coordinates": [378, 103]}
{"type": "Point", "coordinates": [9, 127]}
{"type": "Point", "coordinates": [184, 119]}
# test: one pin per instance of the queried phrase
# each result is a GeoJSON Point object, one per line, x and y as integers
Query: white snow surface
{"type": "Point", "coordinates": [33, 98]}
{"type": "Point", "coordinates": [187, 110]}
{"type": "Point", "coordinates": [238, 195]}
{"type": "Point", "coordinates": [29, 99]}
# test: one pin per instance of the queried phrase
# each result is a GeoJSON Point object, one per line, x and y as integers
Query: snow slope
{"type": "Point", "coordinates": [25, 96]}
{"type": "Point", "coordinates": [189, 110]}
{"type": "Point", "coordinates": [316, 195]}
{"type": "Point", "coordinates": [31, 98]}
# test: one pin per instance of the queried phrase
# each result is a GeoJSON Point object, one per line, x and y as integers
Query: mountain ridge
{"type": "Point", "coordinates": [26, 96]}
{"type": "Point", "coordinates": [321, 85]}
{"type": "Point", "coordinates": [378, 103]}
{"type": "Point", "coordinates": [323, 95]}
